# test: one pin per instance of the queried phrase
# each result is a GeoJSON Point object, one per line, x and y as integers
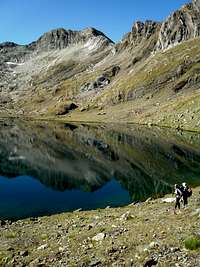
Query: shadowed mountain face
{"type": "Point", "coordinates": [146, 162]}
{"type": "Point", "coordinates": [151, 76]}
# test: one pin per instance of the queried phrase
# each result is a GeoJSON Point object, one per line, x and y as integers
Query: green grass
{"type": "Point", "coordinates": [152, 70]}
{"type": "Point", "coordinates": [192, 243]}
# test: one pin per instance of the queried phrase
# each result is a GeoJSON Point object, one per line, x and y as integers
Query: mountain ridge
{"type": "Point", "coordinates": [87, 71]}
{"type": "Point", "coordinates": [138, 27]}
{"type": "Point", "coordinates": [61, 38]}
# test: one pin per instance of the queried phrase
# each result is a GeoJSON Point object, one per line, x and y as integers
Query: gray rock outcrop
{"type": "Point", "coordinates": [101, 81]}
{"type": "Point", "coordinates": [196, 4]}
{"type": "Point", "coordinates": [52, 40]}
{"type": "Point", "coordinates": [61, 38]}
{"type": "Point", "coordinates": [141, 33]}
{"type": "Point", "coordinates": [180, 26]}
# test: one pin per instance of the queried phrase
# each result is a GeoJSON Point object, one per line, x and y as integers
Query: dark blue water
{"type": "Point", "coordinates": [26, 197]}
{"type": "Point", "coordinates": [48, 167]}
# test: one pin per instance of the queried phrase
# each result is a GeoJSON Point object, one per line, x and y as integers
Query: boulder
{"type": "Point", "coordinates": [126, 216]}
{"type": "Point", "coordinates": [180, 85]}
{"type": "Point", "coordinates": [103, 80]}
{"type": "Point", "coordinates": [2, 223]}
{"type": "Point", "coordinates": [99, 237]}
{"type": "Point", "coordinates": [42, 247]}
{"type": "Point", "coordinates": [66, 108]}
{"type": "Point", "coordinates": [150, 263]}
{"type": "Point", "coordinates": [24, 253]}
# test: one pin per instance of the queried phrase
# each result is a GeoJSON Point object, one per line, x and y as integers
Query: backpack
{"type": "Point", "coordinates": [178, 192]}
{"type": "Point", "coordinates": [189, 192]}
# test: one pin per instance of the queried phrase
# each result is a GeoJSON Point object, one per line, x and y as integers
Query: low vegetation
{"type": "Point", "coordinates": [192, 243]}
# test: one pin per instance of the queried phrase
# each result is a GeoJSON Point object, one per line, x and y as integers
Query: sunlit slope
{"type": "Point", "coordinates": [163, 89]}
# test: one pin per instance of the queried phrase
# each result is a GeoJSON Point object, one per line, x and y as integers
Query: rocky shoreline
{"type": "Point", "coordinates": [147, 233]}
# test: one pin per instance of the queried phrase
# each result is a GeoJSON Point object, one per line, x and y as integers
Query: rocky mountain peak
{"type": "Point", "coordinates": [92, 32]}
{"type": "Point", "coordinates": [180, 26]}
{"type": "Point", "coordinates": [55, 39]}
{"type": "Point", "coordinates": [61, 38]}
{"type": "Point", "coordinates": [141, 33]}
{"type": "Point", "coordinates": [7, 45]}
{"type": "Point", "coordinates": [145, 29]}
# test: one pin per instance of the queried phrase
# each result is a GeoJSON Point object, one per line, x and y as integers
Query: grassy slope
{"type": "Point", "coordinates": [147, 94]}
{"type": "Point", "coordinates": [67, 238]}
{"type": "Point", "coordinates": [141, 93]}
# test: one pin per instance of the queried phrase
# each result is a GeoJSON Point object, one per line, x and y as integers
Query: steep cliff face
{"type": "Point", "coordinates": [142, 31]}
{"type": "Point", "coordinates": [182, 25]}
{"type": "Point", "coordinates": [142, 36]}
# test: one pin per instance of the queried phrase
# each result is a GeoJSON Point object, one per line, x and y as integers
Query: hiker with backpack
{"type": "Point", "coordinates": [178, 196]}
{"type": "Point", "coordinates": [181, 192]}
{"type": "Point", "coordinates": [186, 193]}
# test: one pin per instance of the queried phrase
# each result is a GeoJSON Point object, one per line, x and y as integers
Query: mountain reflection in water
{"type": "Point", "coordinates": [65, 157]}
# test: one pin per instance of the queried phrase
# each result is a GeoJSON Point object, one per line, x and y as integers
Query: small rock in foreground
{"type": "Point", "coordinates": [99, 237]}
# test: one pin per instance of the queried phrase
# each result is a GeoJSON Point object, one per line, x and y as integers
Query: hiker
{"type": "Point", "coordinates": [186, 192]}
{"type": "Point", "coordinates": [178, 195]}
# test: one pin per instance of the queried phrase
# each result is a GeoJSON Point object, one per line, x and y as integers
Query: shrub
{"type": "Point", "coordinates": [192, 243]}
{"type": "Point", "coordinates": [10, 234]}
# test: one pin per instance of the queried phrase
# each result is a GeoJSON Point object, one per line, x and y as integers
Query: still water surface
{"type": "Point", "coordinates": [48, 167]}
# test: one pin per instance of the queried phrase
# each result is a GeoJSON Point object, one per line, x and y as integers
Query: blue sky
{"type": "Point", "coordinates": [23, 21]}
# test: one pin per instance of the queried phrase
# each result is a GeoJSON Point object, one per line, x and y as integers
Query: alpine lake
{"type": "Point", "coordinates": [49, 167]}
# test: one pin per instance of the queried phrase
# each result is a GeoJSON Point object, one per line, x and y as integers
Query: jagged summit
{"type": "Point", "coordinates": [8, 44]}
{"type": "Point", "coordinates": [141, 30]}
{"type": "Point", "coordinates": [56, 39]}
{"type": "Point", "coordinates": [141, 40]}
{"type": "Point", "coordinates": [144, 29]}
{"type": "Point", "coordinates": [180, 26]}
{"type": "Point", "coordinates": [94, 32]}
{"type": "Point", "coordinates": [61, 38]}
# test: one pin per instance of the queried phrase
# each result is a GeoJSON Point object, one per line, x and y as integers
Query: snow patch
{"type": "Point", "coordinates": [169, 200]}
{"type": "Point", "coordinates": [14, 63]}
